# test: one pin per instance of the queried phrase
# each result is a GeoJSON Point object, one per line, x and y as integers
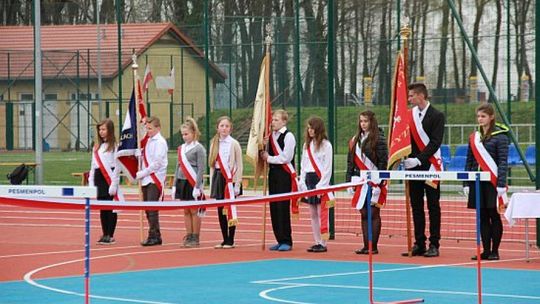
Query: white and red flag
{"type": "Point", "coordinates": [147, 78]}
{"type": "Point", "coordinates": [166, 82]}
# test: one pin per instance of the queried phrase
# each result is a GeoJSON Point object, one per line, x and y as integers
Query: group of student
{"type": "Point", "coordinates": [368, 150]}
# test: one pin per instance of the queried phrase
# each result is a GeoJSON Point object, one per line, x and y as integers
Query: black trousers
{"type": "Point", "coordinates": [108, 218]}
{"type": "Point", "coordinates": [226, 231]}
{"type": "Point", "coordinates": [491, 229]}
{"type": "Point", "coordinates": [152, 193]}
{"type": "Point", "coordinates": [417, 190]}
{"type": "Point", "coordinates": [279, 181]}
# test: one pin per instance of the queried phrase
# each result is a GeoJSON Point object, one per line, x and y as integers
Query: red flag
{"type": "Point", "coordinates": [140, 100]}
{"type": "Point", "coordinates": [399, 136]}
{"type": "Point", "coordinates": [147, 78]}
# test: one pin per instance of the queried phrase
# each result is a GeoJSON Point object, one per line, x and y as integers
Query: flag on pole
{"type": "Point", "coordinates": [140, 100]}
{"type": "Point", "coordinates": [147, 78]}
{"type": "Point", "coordinates": [166, 82]}
{"type": "Point", "coordinates": [262, 116]}
{"type": "Point", "coordinates": [399, 137]}
{"type": "Point", "coordinates": [127, 149]}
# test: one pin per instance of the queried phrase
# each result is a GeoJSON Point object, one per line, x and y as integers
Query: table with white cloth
{"type": "Point", "coordinates": [523, 205]}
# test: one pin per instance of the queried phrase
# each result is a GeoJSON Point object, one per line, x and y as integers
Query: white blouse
{"type": "Point", "coordinates": [108, 158]}
{"type": "Point", "coordinates": [323, 158]}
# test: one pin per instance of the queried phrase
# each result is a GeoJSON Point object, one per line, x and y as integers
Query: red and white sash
{"type": "Point", "coordinates": [190, 174]}
{"type": "Point", "coordinates": [107, 174]}
{"type": "Point", "coordinates": [360, 193]}
{"type": "Point", "coordinates": [327, 200]}
{"type": "Point", "coordinates": [229, 211]}
{"type": "Point", "coordinates": [153, 175]}
{"type": "Point", "coordinates": [421, 139]}
{"type": "Point", "coordinates": [289, 168]}
{"type": "Point", "coordinates": [486, 163]}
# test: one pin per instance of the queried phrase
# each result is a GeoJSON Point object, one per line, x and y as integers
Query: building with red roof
{"type": "Point", "coordinates": [70, 72]}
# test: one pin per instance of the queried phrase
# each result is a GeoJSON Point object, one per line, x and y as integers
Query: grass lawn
{"type": "Point", "coordinates": [58, 167]}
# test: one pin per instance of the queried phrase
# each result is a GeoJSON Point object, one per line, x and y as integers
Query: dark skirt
{"type": "Point", "coordinates": [311, 181]}
{"type": "Point", "coordinates": [488, 196]}
{"type": "Point", "coordinates": [218, 185]}
{"type": "Point", "coordinates": [184, 191]}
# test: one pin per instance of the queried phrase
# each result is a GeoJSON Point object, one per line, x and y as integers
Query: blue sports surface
{"type": "Point", "coordinates": [284, 281]}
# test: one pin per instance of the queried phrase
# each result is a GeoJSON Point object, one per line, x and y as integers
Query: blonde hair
{"type": "Point", "coordinates": [191, 125]}
{"type": "Point", "coordinates": [283, 114]}
{"type": "Point", "coordinates": [214, 144]}
{"type": "Point", "coordinates": [154, 121]}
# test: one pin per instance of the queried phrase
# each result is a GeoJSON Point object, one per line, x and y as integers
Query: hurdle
{"type": "Point", "coordinates": [37, 192]}
{"type": "Point", "coordinates": [459, 176]}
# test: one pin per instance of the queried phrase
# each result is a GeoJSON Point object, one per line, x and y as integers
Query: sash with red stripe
{"type": "Point", "coordinates": [327, 200]}
{"type": "Point", "coordinates": [190, 174]}
{"type": "Point", "coordinates": [486, 163]}
{"type": "Point", "coordinates": [229, 210]}
{"type": "Point", "coordinates": [360, 193]}
{"type": "Point", "coordinates": [421, 139]}
{"type": "Point", "coordinates": [289, 168]}
{"type": "Point", "coordinates": [153, 175]}
{"type": "Point", "coordinates": [107, 174]}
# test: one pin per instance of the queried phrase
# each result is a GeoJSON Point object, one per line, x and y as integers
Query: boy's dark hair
{"type": "Point", "coordinates": [18, 175]}
{"type": "Point", "coordinates": [419, 88]}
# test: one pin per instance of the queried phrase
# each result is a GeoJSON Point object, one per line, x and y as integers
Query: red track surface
{"type": "Point", "coordinates": [31, 238]}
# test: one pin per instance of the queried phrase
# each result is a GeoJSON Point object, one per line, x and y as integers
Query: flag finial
{"type": "Point", "coordinates": [405, 31]}
{"type": "Point", "coordinates": [268, 39]}
{"type": "Point", "coordinates": [134, 65]}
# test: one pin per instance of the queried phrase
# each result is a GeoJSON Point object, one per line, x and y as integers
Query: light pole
{"type": "Point", "coordinates": [98, 29]}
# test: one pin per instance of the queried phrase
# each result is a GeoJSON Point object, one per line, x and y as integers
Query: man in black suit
{"type": "Point", "coordinates": [425, 156]}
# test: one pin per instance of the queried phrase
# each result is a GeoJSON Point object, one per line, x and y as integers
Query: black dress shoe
{"type": "Point", "coordinates": [151, 242]}
{"type": "Point", "coordinates": [362, 251]}
{"type": "Point", "coordinates": [494, 257]}
{"type": "Point", "coordinates": [310, 249]}
{"type": "Point", "coordinates": [366, 251]}
{"type": "Point", "coordinates": [416, 251]}
{"type": "Point", "coordinates": [483, 256]}
{"type": "Point", "coordinates": [432, 252]}
{"type": "Point", "coordinates": [319, 248]}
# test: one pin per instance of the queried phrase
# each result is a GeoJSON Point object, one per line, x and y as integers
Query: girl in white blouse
{"type": "Point", "coordinates": [315, 174]}
{"type": "Point", "coordinates": [226, 181]}
{"type": "Point", "coordinates": [104, 174]}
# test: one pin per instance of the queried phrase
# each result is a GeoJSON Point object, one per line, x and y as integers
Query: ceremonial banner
{"type": "Point", "coordinates": [127, 149]}
{"type": "Point", "coordinates": [399, 136]}
{"type": "Point", "coordinates": [262, 117]}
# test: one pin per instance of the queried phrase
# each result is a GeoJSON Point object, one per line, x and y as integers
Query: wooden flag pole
{"type": "Point", "coordinates": [405, 32]}
{"type": "Point", "coordinates": [264, 211]}
{"type": "Point", "coordinates": [268, 42]}
{"type": "Point", "coordinates": [135, 66]}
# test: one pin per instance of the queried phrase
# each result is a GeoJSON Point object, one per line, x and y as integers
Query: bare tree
{"type": "Point", "coordinates": [480, 6]}
{"type": "Point", "coordinates": [521, 8]}
{"type": "Point", "coordinates": [316, 75]}
{"type": "Point", "coordinates": [498, 4]}
{"type": "Point", "coordinates": [444, 44]}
